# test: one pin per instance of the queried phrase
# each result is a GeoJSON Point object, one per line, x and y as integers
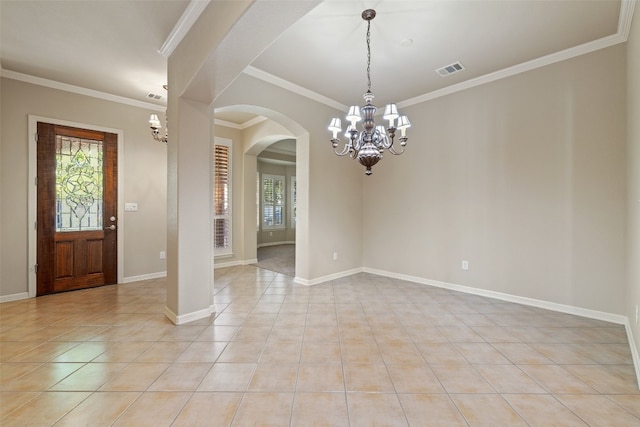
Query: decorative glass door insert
{"type": "Point", "coordinates": [79, 184]}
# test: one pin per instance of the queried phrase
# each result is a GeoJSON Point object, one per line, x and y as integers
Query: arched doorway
{"type": "Point", "coordinates": [260, 129]}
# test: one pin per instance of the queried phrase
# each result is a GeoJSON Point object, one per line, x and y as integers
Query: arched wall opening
{"type": "Point", "coordinates": [255, 139]}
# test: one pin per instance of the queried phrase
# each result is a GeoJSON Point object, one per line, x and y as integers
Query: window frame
{"type": "Point", "coordinates": [283, 179]}
{"type": "Point", "coordinates": [223, 251]}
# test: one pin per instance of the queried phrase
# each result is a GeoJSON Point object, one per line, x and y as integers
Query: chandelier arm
{"type": "Point", "coordinates": [345, 150]}
{"type": "Point", "coordinates": [393, 151]}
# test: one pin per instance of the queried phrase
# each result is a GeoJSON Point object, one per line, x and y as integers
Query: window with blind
{"type": "Point", "coordinates": [273, 195]}
{"type": "Point", "coordinates": [222, 197]}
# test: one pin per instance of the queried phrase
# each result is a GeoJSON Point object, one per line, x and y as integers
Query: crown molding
{"type": "Point", "coordinates": [182, 27]}
{"type": "Point", "coordinates": [241, 126]}
{"type": "Point", "coordinates": [79, 90]}
{"type": "Point", "coordinates": [292, 87]}
{"type": "Point", "coordinates": [624, 25]}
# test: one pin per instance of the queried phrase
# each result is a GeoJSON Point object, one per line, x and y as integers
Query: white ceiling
{"type": "Point", "coordinates": [112, 46]}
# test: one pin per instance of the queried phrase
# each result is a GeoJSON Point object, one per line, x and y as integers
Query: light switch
{"type": "Point", "coordinates": [131, 207]}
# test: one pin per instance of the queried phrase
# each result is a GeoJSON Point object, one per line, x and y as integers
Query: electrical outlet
{"type": "Point", "coordinates": [465, 265]}
{"type": "Point", "coordinates": [163, 255]}
{"type": "Point", "coordinates": [335, 256]}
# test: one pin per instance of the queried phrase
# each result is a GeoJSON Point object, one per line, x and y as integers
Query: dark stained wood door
{"type": "Point", "coordinates": [76, 208]}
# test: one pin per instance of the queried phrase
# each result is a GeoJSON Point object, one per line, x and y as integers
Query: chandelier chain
{"type": "Point", "coordinates": [369, 55]}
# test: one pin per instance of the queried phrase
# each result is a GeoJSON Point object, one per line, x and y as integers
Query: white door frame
{"type": "Point", "coordinates": [32, 192]}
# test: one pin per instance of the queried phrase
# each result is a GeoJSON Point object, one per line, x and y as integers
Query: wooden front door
{"type": "Point", "coordinates": [76, 208]}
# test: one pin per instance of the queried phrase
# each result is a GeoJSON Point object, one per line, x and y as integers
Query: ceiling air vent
{"type": "Point", "coordinates": [154, 96]}
{"type": "Point", "coordinates": [450, 69]}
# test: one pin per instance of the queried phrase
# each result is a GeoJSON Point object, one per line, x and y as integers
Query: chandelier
{"type": "Point", "coordinates": [369, 144]}
{"type": "Point", "coordinates": [154, 124]}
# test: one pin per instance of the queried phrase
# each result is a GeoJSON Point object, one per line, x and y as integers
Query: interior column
{"type": "Point", "coordinates": [189, 200]}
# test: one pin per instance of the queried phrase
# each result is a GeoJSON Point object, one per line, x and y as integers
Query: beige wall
{"type": "Point", "coordinates": [145, 176]}
{"type": "Point", "coordinates": [525, 178]}
{"type": "Point", "coordinates": [633, 175]}
{"type": "Point", "coordinates": [334, 185]}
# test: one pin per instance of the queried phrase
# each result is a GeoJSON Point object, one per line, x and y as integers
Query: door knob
{"type": "Point", "coordinates": [111, 227]}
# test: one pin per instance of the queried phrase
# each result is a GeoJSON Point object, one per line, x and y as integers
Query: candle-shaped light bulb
{"type": "Point", "coordinates": [391, 114]}
{"type": "Point", "coordinates": [403, 124]}
{"type": "Point", "coordinates": [335, 127]}
{"type": "Point", "coordinates": [354, 115]}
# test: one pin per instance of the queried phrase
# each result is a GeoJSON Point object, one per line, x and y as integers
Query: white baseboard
{"type": "Point", "coordinates": [149, 276]}
{"type": "Point", "coordinates": [562, 308]}
{"type": "Point", "coordinates": [634, 350]}
{"type": "Point", "coordinates": [234, 263]}
{"type": "Point", "coordinates": [323, 279]}
{"type": "Point", "coordinates": [264, 245]}
{"type": "Point", "coordinates": [14, 297]}
{"type": "Point", "coordinates": [189, 317]}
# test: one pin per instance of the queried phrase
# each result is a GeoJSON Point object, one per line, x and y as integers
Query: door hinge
{"type": "Point", "coordinates": [36, 137]}
{"type": "Point", "coordinates": [35, 268]}
{"type": "Point", "coordinates": [35, 225]}
{"type": "Point", "coordinates": [35, 181]}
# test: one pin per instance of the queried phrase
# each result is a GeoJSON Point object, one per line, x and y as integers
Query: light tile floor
{"type": "Point", "coordinates": [359, 351]}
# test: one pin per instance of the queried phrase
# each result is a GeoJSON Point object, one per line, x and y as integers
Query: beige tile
{"type": "Point", "coordinates": [487, 410]}
{"type": "Point", "coordinates": [203, 408]}
{"type": "Point", "coordinates": [597, 410]}
{"type": "Point", "coordinates": [320, 352]}
{"type": "Point", "coordinates": [431, 410]}
{"type": "Point", "coordinates": [228, 377]}
{"type": "Point", "coordinates": [42, 353]}
{"type": "Point", "coordinates": [183, 333]}
{"type": "Point", "coordinates": [320, 409]}
{"type": "Point", "coordinates": [281, 351]}
{"type": "Point", "coordinates": [43, 377]}
{"type": "Point", "coordinates": [508, 379]}
{"type": "Point", "coordinates": [11, 371]}
{"type": "Point", "coordinates": [607, 379]}
{"type": "Point", "coordinates": [405, 353]}
{"type": "Point", "coordinates": [122, 351]}
{"type": "Point", "coordinates": [630, 402]}
{"type": "Point", "coordinates": [101, 408]}
{"type": "Point", "coordinates": [367, 378]}
{"type": "Point", "coordinates": [274, 377]}
{"type": "Point", "coordinates": [481, 353]}
{"type": "Point", "coordinates": [252, 333]}
{"type": "Point", "coordinates": [89, 377]}
{"type": "Point", "coordinates": [153, 409]}
{"type": "Point", "coordinates": [414, 379]}
{"type": "Point", "coordinates": [542, 410]}
{"type": "Point", "coordinates": [135, 377]}
{"type": "Point", "coordinates": [441, 353]}
{"type": "Point", "coordinates": [556, 379]}
{"type": "Point", "coordinates": [205, 351]}
{"type": "Point", "coordinates": [12, 349]}
{"type": "Point", "coordinates": [163, 352]}
{"type": "Point", "coordinates": [217, 333]}
{"type": "Point", "coordinates": [181, 377]}
{"type": "Point", "coordinates": [521, 354]}
{"type": "Point", "coordinates": [321, 333]}
{"type": "Point", "coordinates": [83, 352]}
{"type": "Point", "coordinates": [12, 400]}
{"type": "Point", "coordinates": [360, 352]}
{"type": "Point", "coordinates": [264, 409]}
{"type": "Point", "coordinates": [375, 409]}
{"type": "Point", "coordinates": [44, 410]}
{"type": "Point", "coordinates": [320, 378]}
{"type": "Point", "coordinates": [242, 352]}
{"type": "Point", "coordinates": [458, 378]}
